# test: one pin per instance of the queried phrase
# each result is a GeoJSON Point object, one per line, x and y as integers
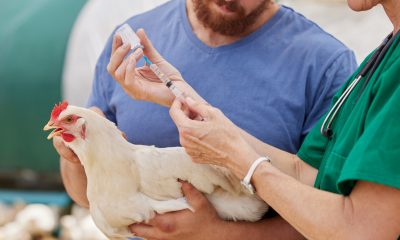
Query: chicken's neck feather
{"type": "Point", "coordinates": [104, 151]}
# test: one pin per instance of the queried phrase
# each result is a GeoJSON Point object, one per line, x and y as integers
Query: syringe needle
{"type": "Point", "coordinates": [164, 78]}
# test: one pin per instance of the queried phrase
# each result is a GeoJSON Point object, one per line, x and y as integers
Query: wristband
{"type": "Point", "coordinates": [246, 180]}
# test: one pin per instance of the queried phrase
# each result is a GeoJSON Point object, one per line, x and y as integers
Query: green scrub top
{"type": "Point", "coordinates": [365, 144]}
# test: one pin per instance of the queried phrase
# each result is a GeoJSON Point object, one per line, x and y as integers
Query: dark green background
{"type": "Point", "coordinates": [33, 39]}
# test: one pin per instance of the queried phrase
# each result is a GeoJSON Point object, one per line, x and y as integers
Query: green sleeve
{"type": "Point", "coordinates": [376, 155]}
{"type": "Point", "coordinates": [313, 148]}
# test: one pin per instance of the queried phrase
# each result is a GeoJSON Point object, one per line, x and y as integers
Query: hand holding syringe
{"type": "Point", "coordinates": [144, 84]}
{"type": "Point", "coordinates": [129, 36]}
{"type": "Point", "coordinates": [156, 70]}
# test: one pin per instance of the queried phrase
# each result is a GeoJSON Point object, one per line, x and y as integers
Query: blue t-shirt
{"type": "Point", "coordinates": [274, 83]}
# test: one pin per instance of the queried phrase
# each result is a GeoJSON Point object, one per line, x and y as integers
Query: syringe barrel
{"type": "Point", "coordinates": [159, 74]}
{"type": "Point", "coordinates": [175, 90]}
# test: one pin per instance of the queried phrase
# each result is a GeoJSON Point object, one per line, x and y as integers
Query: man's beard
{"type": "Point", "coordinates": [227, 25]}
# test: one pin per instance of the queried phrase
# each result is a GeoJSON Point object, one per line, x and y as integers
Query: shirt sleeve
{"type": "Point", "coordinates": [341, 68]}
{"type": "Point", "coordinates": [313, 148]}
{"type": "Point", "coordinates": [375, 157]}
{"type": "Point", "coordinates": [103, 84]}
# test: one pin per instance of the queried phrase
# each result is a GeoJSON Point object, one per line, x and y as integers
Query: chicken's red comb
{"type": "Point", "coordinates": [58, 109]}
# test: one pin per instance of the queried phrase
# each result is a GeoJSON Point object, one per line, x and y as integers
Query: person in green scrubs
{"type": "Point", "coordinates": [344, 183]}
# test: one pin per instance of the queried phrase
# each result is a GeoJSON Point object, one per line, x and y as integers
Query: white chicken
{"type": "Point", "coordinates": [129, 183]}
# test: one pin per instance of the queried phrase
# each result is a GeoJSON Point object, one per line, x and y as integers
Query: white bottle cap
{"type": "Point", "coordinates": [129, 36]}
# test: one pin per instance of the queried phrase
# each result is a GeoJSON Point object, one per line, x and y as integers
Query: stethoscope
{"type": "Point", "coordinates": [370, 67]}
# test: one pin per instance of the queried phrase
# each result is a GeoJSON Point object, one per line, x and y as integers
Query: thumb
{"type": "Point", "coordinates": [194, 197]}
{"type": "Point", "coordinates": [202, 109]}
{"type": "Point", "coordinates": [178, 114]}
{"type": "Point", "coordinates": [148, 50]}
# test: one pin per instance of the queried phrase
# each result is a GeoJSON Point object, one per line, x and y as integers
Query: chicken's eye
{"type": "Point", "coordinates": [68, 119]}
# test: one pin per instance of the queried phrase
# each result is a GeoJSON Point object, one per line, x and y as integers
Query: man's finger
{"type": "Point", "coordinates": [138, 53]}
{"type": "Point", "coordinates": [117, 58]}
{"type": "Point", "coordinates": [124, 136]}
{"type": "Point", "coordinates": [149, 50]}
{"type": "Point", "coordinates": [64, 151]}
{"type": "Point", "coordinates": [121, 71]}
{"type": "Point", "coordinates": [130, 73]}
{"type": "Point", "coordinates": [97, 110]}
{"type": "Point", "coordinates": [117, 42]}
{"type": "Point", "coordinates": [131, 65]}
{"type": "Point", "coordinates": [201, 109]}
{"type": "Point", "coordinates": [165, 222]}
{"type": "Point", "coordinates": [145, 231]}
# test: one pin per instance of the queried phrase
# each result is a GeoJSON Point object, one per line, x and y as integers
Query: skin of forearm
{"type": "Point", "coordinates": [274, 228]}
{"type": "Point", "coordinates": [286, 162]}
{"type": "Point", "coordinates": [75, 182]}
{"type": "Point", "coordinates": [314, 213]}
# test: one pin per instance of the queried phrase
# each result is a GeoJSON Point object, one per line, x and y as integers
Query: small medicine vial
{"type": "Point", "coordinates": [129, 36]}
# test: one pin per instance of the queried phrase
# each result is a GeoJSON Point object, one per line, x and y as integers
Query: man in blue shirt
{"type": "Point", "coordinates": [269, 69]}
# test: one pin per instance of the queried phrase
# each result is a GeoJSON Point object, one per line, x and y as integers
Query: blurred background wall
{"type": "Point", "coordinates": [361, 31]}
{"type": "Point", "coordinates": [48, 51]}
{"type": "Point", "coordinates": [33, 41]}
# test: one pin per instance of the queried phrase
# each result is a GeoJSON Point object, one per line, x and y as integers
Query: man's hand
{"type": "Point", "coordinates": [140, 82]}
{"type": "Point", "coordinates": [204, 223]}
{"type": "Point", "coordinates": [64, 151]}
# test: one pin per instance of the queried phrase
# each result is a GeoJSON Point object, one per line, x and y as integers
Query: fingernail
{"type": "Point", "coordinates": [125, 46]}
{"type": "Point", "coordinates": [138, 31]}
{"type": "Point", "coordinates": [181, 181]}
{"type": "Point", "coordinates": [144, 32]}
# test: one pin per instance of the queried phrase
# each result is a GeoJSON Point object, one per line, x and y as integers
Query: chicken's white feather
{"type": "Point", "coordinates": [128, 183]}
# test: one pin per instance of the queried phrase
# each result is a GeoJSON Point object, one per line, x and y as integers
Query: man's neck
{"type": "Point", "coordinates": [214, 39]}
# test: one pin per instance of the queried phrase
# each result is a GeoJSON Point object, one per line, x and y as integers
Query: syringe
{"type": "Point", "coordinates": [129, 36]}
{"type": "Point", "coordinates": [164, 78]}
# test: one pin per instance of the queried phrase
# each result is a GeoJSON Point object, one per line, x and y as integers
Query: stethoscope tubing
{"type": "Point", "coordinates": [337, 106]}
{"type": "Point", "coordinates": [370, 67]}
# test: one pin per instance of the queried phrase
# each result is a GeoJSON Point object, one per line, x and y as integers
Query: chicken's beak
{"type": "Point", "coordinates": [50, 125]}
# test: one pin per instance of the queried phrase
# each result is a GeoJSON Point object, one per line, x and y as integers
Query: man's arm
{"type": "Point", "coordinates": [75, 182]}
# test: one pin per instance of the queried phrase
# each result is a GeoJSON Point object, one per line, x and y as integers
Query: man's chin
{"type": "Point", "coordinates": [219, 18]}
{"type": "Point", "coordinates": [222, 14]}
{"type": "Point", "coordinates": [222, 10]}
